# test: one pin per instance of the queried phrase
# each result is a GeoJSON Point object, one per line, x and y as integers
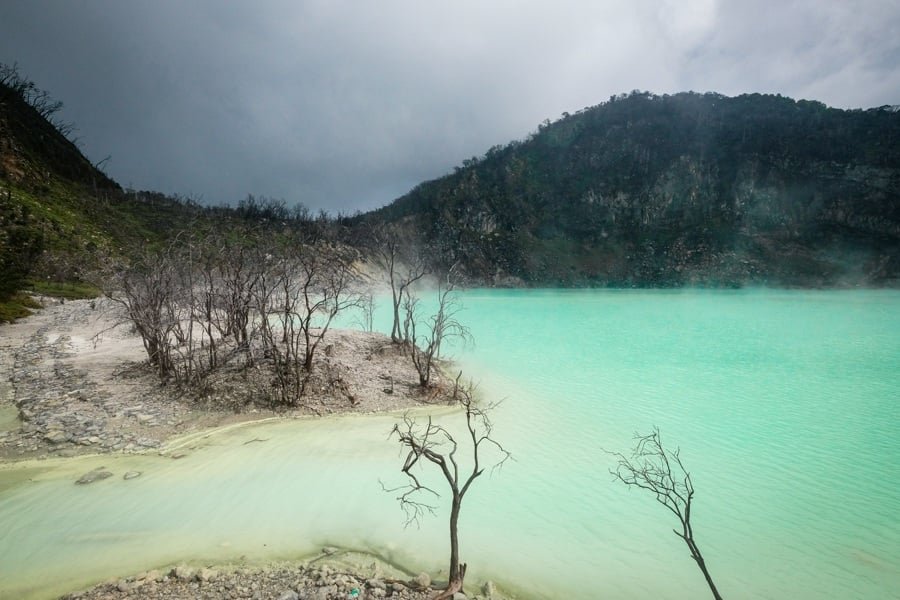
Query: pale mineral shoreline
{"type": "Point", "coordinates": [66, 391]}
{"type": "Point", "coordinates": [73, 382]}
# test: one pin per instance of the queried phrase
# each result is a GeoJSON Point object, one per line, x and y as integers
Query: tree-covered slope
{"type": "Point", "coordinates": [64, 222]}
{"type": "Point", "coordinates": [673, 190]}
{"type": "Point", "coordinates": [59, 214]}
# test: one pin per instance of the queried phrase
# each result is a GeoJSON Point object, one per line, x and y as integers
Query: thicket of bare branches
{"type": "Point", "coordinates": [432, 443]}
{"type": "Point", "coordinates": [298, 297]}
{"type": "Point", "coordinates": [403, 264]}
{"type": "Point", "coordinates": [659, 471]}
{"type": "Point", "coordinates": [222, 299]}
{"type": "Point", "coordinates": [16, 83]}
{"type": "Point", "coordinates": [423, 335]}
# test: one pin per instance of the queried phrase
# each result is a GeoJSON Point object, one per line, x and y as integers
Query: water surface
{"type": "Point", "coordinates": [784, 404]}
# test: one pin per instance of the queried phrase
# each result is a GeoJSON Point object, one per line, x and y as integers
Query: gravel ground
{"type": "Point", "coordinates": [335, 575]}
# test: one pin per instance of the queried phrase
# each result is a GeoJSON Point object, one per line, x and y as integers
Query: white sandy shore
{"type": "Point", "coordinates": [73, 374]}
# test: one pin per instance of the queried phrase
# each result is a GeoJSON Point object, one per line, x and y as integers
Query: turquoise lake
{"type": "Point", "coordinates": [785, 404]}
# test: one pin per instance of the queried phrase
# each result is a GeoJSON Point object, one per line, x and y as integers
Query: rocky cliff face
{"type": "Point", "coordinates": [677, 190]}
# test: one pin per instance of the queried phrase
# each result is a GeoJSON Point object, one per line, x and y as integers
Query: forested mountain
{"type": "Point", "coordinates": [650, 190]}
{"type": "Point", "coordinates": [642, 190]}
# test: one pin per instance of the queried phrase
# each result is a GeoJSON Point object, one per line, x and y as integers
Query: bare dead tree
{"type": "Point", "coordinates": [206, 306]}
{"type": "Point", "coordinates": [264, 304]}
{"type": "Point", "coordinates": [297, 296]}
{"type": "Point", "coordinates": [326, 286]}
{"type": "Point", "coordinates": [162, 299]}
{"type": "Point", "coordinates": [12, 82]}
{"type": "Point", "coordinates": [424, 336]}
{"type": "Point", "coordinates": [366, 319]}
{"type": "Point", "coordinates": [659, 471]}
{"type": "Point", "coordinates": [403, 264]}
{"type": "Point", "coordinates": [211, 296]}
{"type": "Point", "coordinates": [147, 291]}
{"type": "Point", "coordinates": [184, 309]}
{"type": "Point", "coordinates": [436, 445]}
{"type": "Point", "coordinates": [172, 297]}
{"type": "Point", "coordinates": [279, 306]}
{"type": "Point", "coordinates": [216, 278]}
{"type": "Point", "coordinates": [240, 267]}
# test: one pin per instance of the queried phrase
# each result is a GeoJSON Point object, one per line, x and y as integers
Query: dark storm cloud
{"type": "Point", "coordinates": [346, 105]}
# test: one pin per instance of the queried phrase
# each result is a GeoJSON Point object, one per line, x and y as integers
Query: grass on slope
{"type": "Point", "coordinates": [17, 307]}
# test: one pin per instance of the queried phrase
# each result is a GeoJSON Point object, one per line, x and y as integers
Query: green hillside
{"type": "Point", "coordinates": [675, 190]}
{"type": "Point", "coordinates": [60, 216]}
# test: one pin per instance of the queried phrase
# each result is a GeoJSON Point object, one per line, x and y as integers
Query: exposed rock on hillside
{"type": "Point", "coordinates": [676, 190]}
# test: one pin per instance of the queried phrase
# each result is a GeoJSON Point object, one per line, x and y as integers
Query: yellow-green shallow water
{"type": "Point", "coordinates": [785, 405]}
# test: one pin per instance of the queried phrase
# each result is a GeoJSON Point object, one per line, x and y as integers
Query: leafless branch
{"type": "Point", "coordinates": [432, 443]}
{"type": "Point", "coordinates": [661, 472]}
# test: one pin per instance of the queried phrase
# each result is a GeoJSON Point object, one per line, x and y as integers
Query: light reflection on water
{"type": "Point", "coordinates": [784, 404]}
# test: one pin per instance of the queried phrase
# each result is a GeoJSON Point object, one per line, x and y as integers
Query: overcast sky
{"type": "Point", "coordinates": [347, 105]}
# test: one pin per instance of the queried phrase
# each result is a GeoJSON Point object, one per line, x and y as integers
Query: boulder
{"type": "Point", "coordinates": [92, 476]}
{"type": "Point", "coordinates": [323, 593]}
{"type": "Point", "coordinates": [376, 584]}
{"type": "Point", "coordinates": [183, 573]}
{"type": "Point", "coordinates": [153, 575]}
{"type": "Point", "coordinates": [423, 580]}
{"type": "Point", "coordinates": [56, 436]}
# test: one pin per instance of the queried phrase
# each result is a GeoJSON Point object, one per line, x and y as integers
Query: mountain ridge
{"type": "Point", "coordinates": [688, 189]}
{"type": "Point", "coordinates": [641, 190]}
